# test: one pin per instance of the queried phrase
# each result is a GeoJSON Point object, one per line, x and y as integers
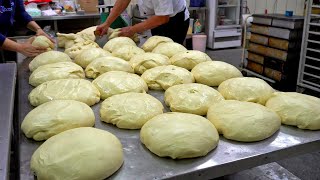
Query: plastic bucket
{"type": "Point", "coordinates": [199, 42]}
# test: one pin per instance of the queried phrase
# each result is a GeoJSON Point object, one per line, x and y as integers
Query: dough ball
{"type": "Point", "coordinates": [118, 42]}
{"type": "Point", "coordinates": [78, 154]}
{"type": "Point", "coordinates": [246, 89]}
{"type": "Point", "coordinates": [48, 58]}
{"type": "Point", "coordinates": [163, 77]}
{"type": "Point", "coordinates": [243, 121]}
{"type": "Point", "coordinates": [126, 52]}
{"type": "Point", "coordinates": [169, 49]}
{"type": "Point", "coordinates": [76, 49]}
{"type": "Point", "coordinates": [114, 33]}
{"type": "Point", "coordinates": [118, 82]}
{"type": "Point", "coordinates": [65, 89]}
{"type": "Point", "coordinates": [189, 59]}
{"type": "Point", "coordinates": [88, 33]}
{"type": "Point", "coordinates": [60, 70]}
{"type": "Point", "coordinates": [191, 98]}
{"type": "Point", "coordinates": [213, 73]}
{"type": "Point", "coordinates": [43, 42]}
{"type": "Point", "coordinates": [179, 135]}
{"type": "Point", "coordinates": [143, 62]}
{"type": "Point", "coordinates": [88, 55]}
{"type": "Point", "coordinates": [56, 116]}
{"type": "Point", "coordinates": [296, 109]}
{"type": "Point", "coordinates": [130, 110]}
{"type": "Point", "coordinates": [154, 41]}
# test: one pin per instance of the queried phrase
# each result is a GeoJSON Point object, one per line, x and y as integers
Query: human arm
{"type": "Point", "coordinates": [33, 26]}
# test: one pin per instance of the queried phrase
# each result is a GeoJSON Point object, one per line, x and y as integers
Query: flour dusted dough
{"type": "Point", "coordinates": [189, 59]}
{"type": "Point", "coordinates": [169, 49]}
{"type": "Point", "coordinates": [43, 42]}
{"type": "Point", "coordinates": [56, 116]}
{"type": "Point", "coordinates": [126, 52]}
{"type": "Point", "coordinates": [78, 154]}
{"type": "Point", "coordinates": [296, 109]}
{"type": "Point", "coordinates": [116, 43]}
{"type": "Point", "coordinates": [65, 89]}
{"type": "Point", "coordinates": [143, 62]}
{"type": "Point", "coordinates": [48, 58]}
{"type": "Point", "coordinates": [191, 98]}
{"type": "Point", "coordinates": [179, 135]}
{"type": "Point", "coordinates": [88, 55]}
{"type": "Point", "coordinates": [154, 41]}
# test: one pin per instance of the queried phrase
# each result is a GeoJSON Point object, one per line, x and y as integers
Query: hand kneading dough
{"type": "Point", "coordinates": [143, 62]}
{"type": "Point", "coordinates": [48, 58]}
{"type": "Point", "coordinates": [169, 49]}
{"type": "Point", "coordinates": [246, 89]}
{"type": "Point", "coordinates": [88, 55]}
{"type": "Point", "coordinates": [65, 89]}
{"type": "Point", "coordinates": [243, 121]}
{"type": "Point", "coordinates": [60, 70]}
{"type": "Point", "coordinates": [118, 82]}
{"type": "Point", "coordinates": [163, 77]}
{"type": "Point", "coordinates": [179, 135]}
{"type": "Point", "coordinates": [43, 42]}
{"type": "Point", "coordinates": [106, 64]}
{"type": "Point", "coordinates": [118, 42]}
{"type": "Point", "coordinates": [191, 98]}
{"type": "Point", "coordinates": [126, 52]}
{"type": "Point", "coordinates": [56, 116]}
{"type": "Point", "coordinates": [78, 154]}
{"type": "Point", "coordinates": [154, 41]}
{"type": "Point", "coordinates": [296, 109]}
{"type": "Point", "coordinates": [189, 59]}
{"type": "Point", "coordinates": [213, 73]}
{"type": "Point", "coordinates": [130, 110]}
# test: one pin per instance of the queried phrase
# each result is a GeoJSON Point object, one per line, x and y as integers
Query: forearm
{"type": "Point", "coordinates": [10, 45]}
{"type": "Point", "coordinates": [150, 23]}
{"type": "Point", "coordinates": [33, 26]}
{"type": "Point", "coordinates": [118, 8]}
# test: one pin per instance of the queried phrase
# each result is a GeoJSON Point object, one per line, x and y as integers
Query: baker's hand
{"type": "Point", "coordinates": [102, 29]}
{"type": "Point", "coordinates": [40, 32]}
{"type": "Point", "coordinates": [30, 51]}
{"type": "Point", "coordinates": [127, 31]}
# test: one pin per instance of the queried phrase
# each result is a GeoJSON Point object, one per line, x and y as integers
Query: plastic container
{"type": "Point", "coordinates": [190, 29]}
{"type": "Point", "coordinates": [199, 42]}
{"type": "Point", "coordinates": [118, 23]}
{"type": "Point", "coordinates": [197, 3]}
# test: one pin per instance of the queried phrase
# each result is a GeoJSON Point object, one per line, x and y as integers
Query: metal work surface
{"type": "Point", "coordinates": [7, 90]}
{"type": "Point", "coordinates": [67, 16]}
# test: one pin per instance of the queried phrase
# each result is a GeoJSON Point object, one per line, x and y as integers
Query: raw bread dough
{"type": "Point", "coordinates": [296, 109]}
{"type": "Point", "coordinates": [191, 98]}
{"type": "Point", "coordinates": [118, 82]}
{"type": "Point", "coordinates": [65, 89]}
{"type": "Point", "coordinates": [78, 154]}
{"type": "Point", "coordinates": [130, 110]}
{"type": "Point", "coordinates": [88, 33]}
{"type": "Point", "coordinates": [179, 135]}
{"type": "Point", "coordinates": [76, 49]}
{"type": "Point", "coordinates": [48, 58]}
{"type": "Point", "coordinates": [213, 73]}
{"type": "Point", "coordinates": [43, 42]}
{"type": "Point", "coordinates": [246, 89]}
{"type": "Point", "coordinates": [169, 49]}
{"type": "Point", "coordinates": [114, 33]}
{"type": "Point", "coordinates": [143, 62]}
{"type": "Point", "coordinates": [106, 64]}
{"type": "Point", "coordinates": [243, 121]}
{"type": "Point", "coordinates": [118, 42]}
{"type": "Point", "coordinates": [163, 77]}
{"type": "Point", "coordinates": [56, 116]}
{"type": "Point", "coordinates": [126, 52]}
{"type": "Point", "coordinates": [189, 59]}
{"type": "Point", "coordinates": [154, 41]}
{"type": "Point", "coordinates": [88, 55]}
{"type": "Point", "coordinates": [60, 70]}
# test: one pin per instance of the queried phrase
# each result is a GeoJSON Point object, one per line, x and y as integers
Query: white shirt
{"type": "Point", "coordinates": [162, 7]}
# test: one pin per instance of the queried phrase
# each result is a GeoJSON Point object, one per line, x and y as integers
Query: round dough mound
{"type": "Point", "coordinates": [56, 116]}
{"type": "Point", "coordinates": [60, 70]}
{"type": "Point", "coordinates": [296, 109]}
{"type": "Point", "coordinates": [189, 59]}
{"type": "Point", "coordinates": [169, 49]}
{"type": "Point", "coordinates": [154, 41]}
{"type": "Point", "coordinates": [143, 62]}
{"type": "Point", "coordinates": [126, 52]}
{"type": "Point", "coordinates": [130, 110]}
{"type": "Point", "coordinates": [243, 121]}
{"type": "Point", "coordinates": [179, 135]}
{"type": "Point", "coordinates": [81, 153]}
{"type": "Point", "coordinates": [106, 64]}
{"type": "Point", "coordinates": [48, 58]}
{"type": "Point", "coordinates": [191, 98]}
{"type": "Point", "coordinates": [88, 55]}
{"type": "Point", "coordinates": [118, 42]}
{"type": "Point", "coordinates": [118, 82]}
{"type": "Point", "coordinates": [163, 77]}
{"type": "Point", "coordinates": [65, 89]}
{"type": "Point", "coordinates": [213, 73]}
{"type": "Point", "coordinates": [43, 42]}
{"type": "Point", "coordinates": [76, 49]}
{"type": "Point", "coordinates": [246, 89]}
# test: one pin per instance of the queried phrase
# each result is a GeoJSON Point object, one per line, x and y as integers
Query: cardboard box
{"type": "Point", "coordinates": [89, 6]}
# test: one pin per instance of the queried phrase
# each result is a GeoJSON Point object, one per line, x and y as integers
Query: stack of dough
{"type": "Point", "coordinates": [126, 52]}
{"type": "Point", "coordinates": [189, 59]}
{"type": "Point", "coordinates": [143, 62]}
{"type": "Point", "coordinates": [169, 49]}
{"type": "Point", "coordinates": [118, 42]}
{"type": "Point", "coordinates": [154, 41]}
{"type": "Point", "coordinates": [76, 49]}
{"type": "Point", "coordinates": [43, 42]}
{"type": "Point", "coordinates": [88, 55]}
{"type": "Point", "coordinates": [48, 58]}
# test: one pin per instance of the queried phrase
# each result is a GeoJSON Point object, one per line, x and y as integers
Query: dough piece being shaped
{"type": "Point", "coordinates": [43, 42]}
{"type": "Point", "coordinates": [126, 52]}
{"type": "Point", "coordinates": [189, 59]}
{"type": "Point", "coordinates": [243, 121]}
{"type": "Point", "coordinates": [88, 33]}
{"type": "Point", "coordinates": [118, 82]}
{"type": "Point", "coordinates": [88, 55]}
{"type": "Point", "coordinates": [296, 109]}
{"type": "Point", "coordinates": [78, 154]}
{"type": "Point", "coordinates": [48, 58]}
{"type": "Point", "coordinates": [179, 135]}
{"type": "Point", "coordinates": [118, 42]}
{"type": "Point", "coordinates": [56, 116]}
{"type": "Point", "coordinates": [143, 62]}
{"type": "Point", "coordinates": [246, 89]}
{"type": "Point", "coordinates": [213, 73]}
{"type": "Point", "coordinates": [114, 33]}
{"type": "Point", "coordinates": [154, 41]}
{"type": "Point", "coordinates": [163, 77]}
{"type": "Point", "coordinates": [63, 38]}
{"type": "Point", "coordinates": [169, 49]}
{"type": "Point", "coordinates": [60, 70]}
{"type": "Point", "coordinates": [191, 98]}
{"type": "Point", "coordinates": [76, 49]}
{"type": "Point", "coordinates": [130, 110]}
{"type": "Point", "coordinates": [65, 89]}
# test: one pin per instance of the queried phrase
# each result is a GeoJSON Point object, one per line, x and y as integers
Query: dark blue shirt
{"type": "Point", "coordinates": [10, 11]}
